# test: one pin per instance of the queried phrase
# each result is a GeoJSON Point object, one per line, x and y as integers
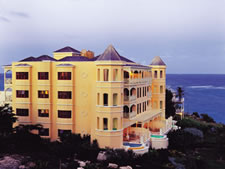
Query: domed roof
{"type": "Point", "coordinates": [157, 61]}
{"type": "Point", "coordinates": [109, 54]}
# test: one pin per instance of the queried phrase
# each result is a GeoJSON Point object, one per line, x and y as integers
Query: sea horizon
{"type": "Point", "coordinates": [203, 93]}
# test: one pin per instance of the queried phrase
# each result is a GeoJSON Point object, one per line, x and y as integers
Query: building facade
{"type": "Point", "coordinates": [109, 97]}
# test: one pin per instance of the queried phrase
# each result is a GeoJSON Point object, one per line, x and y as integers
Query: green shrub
{"type": "Point", "coordinates": [188, 122]}
{"type": "Point", "coordinates": [207, 118]}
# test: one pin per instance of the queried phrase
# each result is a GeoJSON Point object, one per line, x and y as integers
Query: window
{"type": "Point", "coordinates": [143, 91]}
{"type": "Point", "coordinates": [115, 99]}
{"type": "Point", "coordinates": [42, 75]}
{"type": "Point", "coordinates": [43, 132]}
{"type": "Point", "coordinates": [143, 106]}
{"type": "Point", "coordinates": [140, 107]}
{"type": "Point", "coordinates": [98, 75]}
{"type": "Point", "coordinates": [105, 123]}
{"type": "Point", "coordinates": [98, 99]}
{"type": "Point", "coordinates": [115, 74]}
{"type": "Point", "coordinates": [139, 125]}
{"type": "Point", "coordinates": [22, 112]}
{"type": "Point", "coordinates": [155, 74]}
{"type": "Point", "coordinates": [155, 89]}
{"type": "Point", "coordinates": [137, 92]}
{"type": "Point", "coordinates": [64, 95]}
{"type": "Point", "coordinates": [43, 113]}
{"type": "Point", "coordinates": [64, 132]}
{"type": "Point", "coordinates": [137, 108]}
{"type": "Point", "coordinates": [64, 114]}
{"type": "Point", "coordinates": [43, 94]}
{"type": "Point", "coordinates": [98, 122]}
{"type": "Point", "coordinates": [142, 75]}
{"type": "Point", "coordinates": [161, 89]}
{"type": "Point", "coordinates": [22, 93]}
{"type": "Point", "coordinates": [106, 74]}
{"type": "Point", "coordinates": [115, 123]}
{"type": "Point", "coordinates": [161, 74]}
{"type": "Point", "coordinates": [105, 101]}
{"type": "Point", "coordinates": [64, 75]}
{"type": "Point", "coordinates": [161, 104]}
{"type": "Point", "coordinates": [22, 75]}
{"type": "Point", "coordinates": [140, 92]}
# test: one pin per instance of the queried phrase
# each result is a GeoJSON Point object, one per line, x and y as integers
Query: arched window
{"type": "Point", "coordinates": [106, 74]}
{"type": "Point", "coordinates": [105, 123]}
{"type": "Point", "coordinates": [155, 74]}
{"type": "Point", "coordinates": [161, 74]}
{"type": "Point", "coordinates": [98, 75]}
{"type": "Point", "coordinates": [115, 99]}
{"type": "Point", "coordinates": [115, 123]}
{"type": "Point", "coordinates": [105, 99]}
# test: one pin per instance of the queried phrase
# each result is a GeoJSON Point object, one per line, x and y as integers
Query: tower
{"type": "Point", "coordinates": [109, 89]}
{"type": "Point", "coordinates": [158, 84]}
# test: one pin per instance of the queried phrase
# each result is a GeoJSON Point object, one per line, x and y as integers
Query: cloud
{"type": "Point", "coordinates": [19, 14]}
{"type": "Point", "coordinates": [4, 19]}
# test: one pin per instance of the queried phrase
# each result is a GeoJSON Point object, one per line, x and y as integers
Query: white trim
{"type": "Point", "coordinates": [110, 81]}
{"type": "Point", "coordinates": [22, 102]}
{"type": "Point", "coordinates": [64, 123]}
{"type": "Point", "coordinates": [109, 111]}
{"type": "Point", "coordinates": [68, 85]}
{"type": "Point", "coordinates": [110, 87]}
{"type": "Point", "coordinates": [119, 106]}
{"type": "Point", "coordinates": [100, 130]}
{"type": "Point", "coordinates": [58, 104]}
{"type": "Point", "coordinates": [44, 122]}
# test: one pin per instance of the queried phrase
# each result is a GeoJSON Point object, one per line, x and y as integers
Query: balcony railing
{"type": "Point", "coordinates": [129, 98]}
{"type": "Point", "coordinates": [137, 80]}
{"type": "Point", "coordinates": [129, 114]}
{"type": "Point", "coordinates": [8, 81]}
{"type": "Point", "coordinates": [8, 99]}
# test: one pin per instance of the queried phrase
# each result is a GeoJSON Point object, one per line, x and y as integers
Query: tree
{"type": "Point", "coordinates": [7, 118]}
{"type": "Point", "coordinates": [180, 93]}
{"type": "Point", "coordinates": [170, 109]}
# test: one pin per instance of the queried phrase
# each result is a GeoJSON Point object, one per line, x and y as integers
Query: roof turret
{"type": "Point", "coordinates": [157, 61]}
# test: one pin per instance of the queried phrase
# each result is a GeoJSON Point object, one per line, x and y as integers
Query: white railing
{"type": "Point", "coordinates": [129, 115]}
{"type": "Point", "coordinates": [129, 98]}
{"type": "Point", "coordinates": [137, 80]}
{"type": "Point", "coordinates": [8, 99]}
{"type": "Point", "coordinates": [168, 126]}
{"type": "Point", "coordinates": [8, 81]}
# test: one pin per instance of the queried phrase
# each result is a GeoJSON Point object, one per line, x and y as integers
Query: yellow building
{"type": "Point", "coordinates": [109, 97]}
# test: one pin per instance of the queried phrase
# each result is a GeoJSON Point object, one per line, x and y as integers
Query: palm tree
{"type": "Point", "coordinates": [7, 118]}
{"type": "Point", "coordinates": [180, 93]}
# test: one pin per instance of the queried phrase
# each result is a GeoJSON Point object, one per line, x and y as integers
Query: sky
{"type": "Point", "coordinates": [189, 35]}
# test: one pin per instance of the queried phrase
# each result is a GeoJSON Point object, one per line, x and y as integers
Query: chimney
{"type": "Point", "coordinates": [89, 54]}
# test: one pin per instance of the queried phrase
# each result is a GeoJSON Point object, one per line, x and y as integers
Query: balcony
{"type": "Point", "coordinates": [129, 98]}
{"type": "Point", "coordinates": [8, 81]}
{"type": "Point", "coordinates": [129, 112]}
{"type": "Point", "coordinates": [129, 94]}
{"type": "Point", "coordinates": [8, 99]}
{"type": "Point", "coordinates": [129, 115]}
{"type": "Point", "coordinates": [137, 80]}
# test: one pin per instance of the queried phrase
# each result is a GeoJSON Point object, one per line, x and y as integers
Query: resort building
{"type": "Point", "coordinates": [113, 99]}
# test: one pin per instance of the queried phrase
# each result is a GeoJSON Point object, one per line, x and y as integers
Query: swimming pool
{"type": "Point", "coordinates": [132, 144]}
{"type": "Point", "coordinates": [157, 136]}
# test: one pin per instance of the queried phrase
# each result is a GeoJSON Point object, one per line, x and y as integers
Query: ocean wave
{"type": "Point", "coordinates": [208, 87]}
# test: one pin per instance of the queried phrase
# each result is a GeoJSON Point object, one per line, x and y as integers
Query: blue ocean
{"type": "Point", "coordinates": [203, 93]}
